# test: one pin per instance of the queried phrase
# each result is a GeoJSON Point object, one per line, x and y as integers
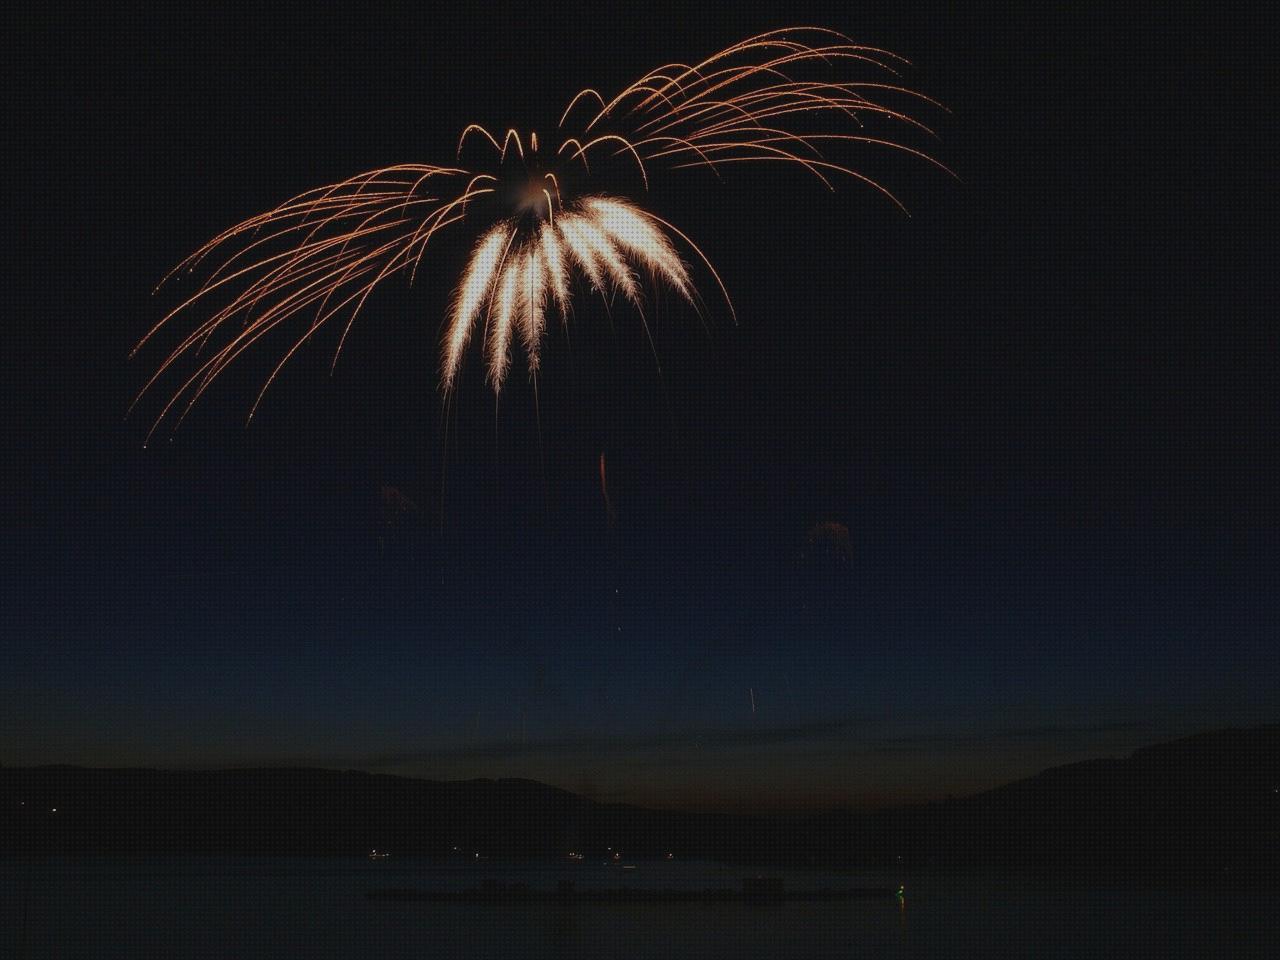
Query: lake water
{"type": "Point", "coordinates": [284, 908]}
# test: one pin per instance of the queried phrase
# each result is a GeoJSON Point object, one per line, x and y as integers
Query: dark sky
{"type": "Point", "coordinates": [1044, 406]}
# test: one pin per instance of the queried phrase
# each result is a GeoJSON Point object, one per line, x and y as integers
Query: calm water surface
{"type": "Point", "coordinates": [293, 908]}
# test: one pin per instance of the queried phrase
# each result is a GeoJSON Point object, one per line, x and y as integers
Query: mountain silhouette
{"type": "Point", "coordinates": [1206, 806]}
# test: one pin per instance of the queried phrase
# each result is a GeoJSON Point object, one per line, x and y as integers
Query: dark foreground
{"type": "Point", "coordinates": [282, 909]}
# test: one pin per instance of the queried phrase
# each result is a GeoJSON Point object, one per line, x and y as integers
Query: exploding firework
{"type": "Point", "coordinates": [317, 257]}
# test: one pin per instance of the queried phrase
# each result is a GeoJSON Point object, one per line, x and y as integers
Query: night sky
{"type": "Point", "coordinates": [1044, 408]}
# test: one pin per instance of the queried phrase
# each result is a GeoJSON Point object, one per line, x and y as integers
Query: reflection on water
{"type": "Point", "coordinates": [247, 908]}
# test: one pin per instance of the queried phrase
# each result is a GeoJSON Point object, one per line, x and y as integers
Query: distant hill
{"type": "Point", "coordinates": [297, 811]}
{"type": "Point", "coordinates": [1203, 806]}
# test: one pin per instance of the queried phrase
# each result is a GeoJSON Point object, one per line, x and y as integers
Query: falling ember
{"type": "Point", "coordinates": [319, 255]}
{"type": "Point", "coordinates": [604, 489]}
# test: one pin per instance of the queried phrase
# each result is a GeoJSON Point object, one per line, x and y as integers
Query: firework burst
{"type": "Point", "coordinates": [317, 257]}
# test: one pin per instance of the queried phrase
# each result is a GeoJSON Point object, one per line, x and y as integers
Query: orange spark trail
{"type": "Point", "coordinates": [604, 489]}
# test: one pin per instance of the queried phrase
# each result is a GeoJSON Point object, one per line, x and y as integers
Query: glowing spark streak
{"type": "Point", "coordinates": [786, 103]}
{"type": "Point", "coordinates": [477, 128]}
{"type": "Point", "coordinates": [507, 140]}
{"type": "Point", "coordinates": [280, 312]}
{"type": "Point", "coordinates": [851, 138]}
{"type": "Point", "coordinates": [608, 254]}
{"type": "Point", "coordinates": [555, 183]}
{"type": "Point", "coordinates": [255, 224]}
{"type": "Point", "coordinates": [326, 195]}
{"type": "Point", "coordinates": [327, 285]}
{"type": "Point", "coordinates": [698, 250]}
{"type": "Point", "coordinates": [626, 145]}
{"type": "Point", "coordinates": [201, 293]}
{"type": "Point", "coordinates": [684, 143]}
{"type": "Point", "coordinates": [736, 75]}
{"type": "Point", "coordinates": [673, 118]}
{"type": "Point", "coordinates": [347, 209]}
{"type": "Point", "coordinates": [533, 303]}
{"type": "Point", "coordinates": [582, 250]}
{"type": "Point", "coordinates": [292, 272]}
{"type": "Point", "coordinates": [318, 323]}
{"type": "Point", "coordinates": [589, 242]}
{"type": "Point", "coordinates": [728, 52]}
{"type": "Point", "coordinates": [604, 489]}
{"type": "Point", "coordinates": [575, 142]}
{"type": "Point", "coordinates": [476, 179]}
{"type": "Point", "coordinates": [640, 237]}
{"type": "Point", "coordinates": [762, 40]}
{"type": "Point", "coordinates": [392, 263]}
{"type": "Point", "coordinates": [633, 89]}
{"type": "Point", "coordinates": [553, 261]}
{"type": "Point", "coordinates": [600, 234]}
{"type": "Point", "coordinates": [420, 181]}
{"type": "Point", "coordinates": [303, 254]}
{"type": "Point", "coordinates": [330, 196]}
{"type": "Point", "coordinates": [471, 296]}
{"type": "Point", "coordinates": [298, 299]}
{"type": "Point", "coordinates": [505, 304]}
{"type": "Point", "coordinates": [576, 97]}
{"type": "Point", "coordinates": [816, 163]}
{"type": "Point", "coordinates": [667, 79]}
{"type": "Point", "coordinates": [437, 221]}
{"type": "Point", "coordinates": [757, 133]}
{"type": "Point", "coordinates": [770, 153]}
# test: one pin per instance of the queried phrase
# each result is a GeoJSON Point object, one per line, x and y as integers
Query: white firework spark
{"type": "Point", "coordinates": [469, 299]}
{"type": "Point", "coordinates": [606, 237]}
